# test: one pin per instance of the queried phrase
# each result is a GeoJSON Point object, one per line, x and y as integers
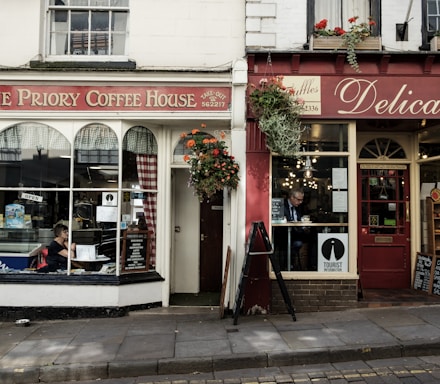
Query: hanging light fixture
{"type": "Point", "coordinates": [308, 169]}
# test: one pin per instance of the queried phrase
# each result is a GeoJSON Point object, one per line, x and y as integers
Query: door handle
{"type": "Point", "coordinates": [407, 211]}
{"type": "Point", "coordinates": [203, 237]}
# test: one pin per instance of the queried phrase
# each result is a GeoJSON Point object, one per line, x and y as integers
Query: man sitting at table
{"type": "Point", "coordinates": [293, 212]}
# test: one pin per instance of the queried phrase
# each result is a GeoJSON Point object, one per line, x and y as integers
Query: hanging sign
{"type": "Point", "coordinates": [32, 197]}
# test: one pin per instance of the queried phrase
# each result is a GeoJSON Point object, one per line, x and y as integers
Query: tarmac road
{"type": "Point", "coordinates": [411, 370]}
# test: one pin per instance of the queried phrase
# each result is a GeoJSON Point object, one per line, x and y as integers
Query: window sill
{"type": "Point", "coordinates": [95, 65]}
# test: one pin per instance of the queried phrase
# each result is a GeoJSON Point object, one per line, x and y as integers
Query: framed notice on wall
{"type": "Point", "coordinates": [135, 251]}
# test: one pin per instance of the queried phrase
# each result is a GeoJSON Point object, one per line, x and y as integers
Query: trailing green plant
{"type": "Point", "coordinates": [279, 112]}
{"type": "Point", "coordinates": [351, 38]}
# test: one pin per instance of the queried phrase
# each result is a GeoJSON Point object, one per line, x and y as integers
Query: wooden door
{"type": "Point", "coordinates": [211, 239]}
{"type": "Point", "coordinates": [384, 227]}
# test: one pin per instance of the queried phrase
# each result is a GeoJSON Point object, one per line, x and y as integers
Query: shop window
{"type": "Point", "coordinates": [88, 27]}
{"type": "Point", "coordinates": [34, 176]}
{"type": "Point", "coordinates": [139, 178]}
{"type": "Point", "coordinates": [95, 198]}
{"type": "Point", "coordinates": [316, 183]}
{"type": "Point", "coordinates": [428, 159]}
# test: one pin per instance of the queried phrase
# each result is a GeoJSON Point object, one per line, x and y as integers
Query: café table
{"type": "Point", "coordinates": [302, 224]}
{"type": "Point", "coordinates": [92, 265]}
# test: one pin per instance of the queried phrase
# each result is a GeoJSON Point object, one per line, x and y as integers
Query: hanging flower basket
{"type": "Point", "coordinates": [435, 43]}
{"type": "Point", "coordinates": [279, 115]}
{"type": "Point", "coordinates": [212, 169]}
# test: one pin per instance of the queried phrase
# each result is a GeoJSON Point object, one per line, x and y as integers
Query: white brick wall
{"type": "Point", "coordinates": [289, 24]}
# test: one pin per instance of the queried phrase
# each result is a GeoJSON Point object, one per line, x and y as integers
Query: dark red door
{"type": "Point", "coordinates": [384, 227]}
{"type": "Point", "coordinates": [211, 239]}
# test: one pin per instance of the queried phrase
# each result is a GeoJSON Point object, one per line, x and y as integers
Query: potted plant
{"type": "Point", "coordinates": [278, 111]}
{"type": "Point", "coordinates": [212, 168]}
{"type": "Point", "coordinates": [357, 37]}
{"type": "Point", "coordinates": [435, 41]}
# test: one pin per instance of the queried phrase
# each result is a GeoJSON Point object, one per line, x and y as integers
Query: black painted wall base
{"type": "Point", "coordinates": [69, 313]}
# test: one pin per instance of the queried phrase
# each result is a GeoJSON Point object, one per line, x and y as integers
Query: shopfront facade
{"type": "Point", "coordinates": [370, 139]}
{"type": "Point", "coordinates": [106, 160]}
{"type": "Point", "coordinates": [93, 105]}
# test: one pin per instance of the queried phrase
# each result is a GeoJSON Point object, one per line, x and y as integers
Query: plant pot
{"type": "Point", "coordinates": [371, 43]}
{"type": "Point", "coordinates": [435, 43]}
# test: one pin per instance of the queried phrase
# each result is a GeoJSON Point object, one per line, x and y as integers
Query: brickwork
{"type": "Point", "coordinates": [315, 295]}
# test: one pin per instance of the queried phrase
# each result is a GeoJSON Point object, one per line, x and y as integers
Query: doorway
{"type": "Point", "coordinates": [196, 262]}
{"type": "Point", "coordinates": [211, 239]}
{"type": "Point", "coordinates": [384, 227]}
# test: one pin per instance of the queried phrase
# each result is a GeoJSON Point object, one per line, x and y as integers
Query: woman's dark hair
{"type": "Point", "coordinates": [59, 228]}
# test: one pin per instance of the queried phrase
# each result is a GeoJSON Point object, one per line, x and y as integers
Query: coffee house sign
{"type": "Point", "coordinates": [367, 97]}
{"type": "Point", "coordinates": [109, 98]}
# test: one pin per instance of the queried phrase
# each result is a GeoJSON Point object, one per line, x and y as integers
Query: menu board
{"type": "Point", "coordinates": [436, 277]}
{"type": "Point", "coordinates": [277, 209]}
{"type": "Point", "coordinates": [422, 276]}
{"type": "Point", "coordinates": [135, 251]}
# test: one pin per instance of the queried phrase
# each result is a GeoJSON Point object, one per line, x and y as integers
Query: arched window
{"type": "Point", "coordinates": [382, 149]}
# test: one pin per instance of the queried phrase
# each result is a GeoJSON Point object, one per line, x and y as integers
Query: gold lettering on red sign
{"type": "Point", "coordinates": [45, 99]}
{"type": "Point", "coordinates": [173, 100]}
{"type": "Point", "coordinates": [5, 99]}
{"type": "Point", "coordinates": [96, 98]}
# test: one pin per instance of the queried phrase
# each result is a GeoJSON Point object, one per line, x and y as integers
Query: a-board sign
{"type": "Point", "coordinates": [422, 275]}
{"type": "Point", "coordinates": [277, 209]}
{"type": "Point", "coordinates": [135, 251]}
{"type": "Point", "coordinates": [436, 277]}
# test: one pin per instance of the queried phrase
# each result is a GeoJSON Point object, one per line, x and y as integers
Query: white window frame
{"type": "Point", "coordinates": [90, 7]}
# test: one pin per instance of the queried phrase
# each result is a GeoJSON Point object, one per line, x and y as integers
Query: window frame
{"type": "Point", "coordinates": [111, 33]}
{"type": "Point", "coordinates": [375, 6]}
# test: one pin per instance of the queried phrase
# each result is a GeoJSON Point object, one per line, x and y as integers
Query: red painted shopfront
{"type": "Point", "coordinates": [386, 104]}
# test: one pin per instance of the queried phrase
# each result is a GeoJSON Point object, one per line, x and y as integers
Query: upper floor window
{"type": "Point", "coordinates": [433, 15]}
{"type": "Point", "coordinates": [337, 12]}
{"type": "Point", "coordinates": [87, 27]}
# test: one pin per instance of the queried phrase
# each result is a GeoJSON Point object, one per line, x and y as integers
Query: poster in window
{"type": "Point", "coordinates": [339, 178]}
{"type": "Point", "coordinates": [332, 252]}
{"type": "Point", "coordinates": [374, 220]}
{"type": "Point", "coordinates": [339, 202]}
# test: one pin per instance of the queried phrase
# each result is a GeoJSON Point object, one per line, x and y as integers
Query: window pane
{"type": "Point", "coordinates": [31, 156]}
{"type": "Point", "coordinates": [90, 28]}
{"type": "Point", "coordinates": [96, 157]}
{"type": "Point", "coordinates": [325, 137]}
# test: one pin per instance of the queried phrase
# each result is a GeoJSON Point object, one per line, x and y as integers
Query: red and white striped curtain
{"type": "Point", "coordinates": [147, 174]}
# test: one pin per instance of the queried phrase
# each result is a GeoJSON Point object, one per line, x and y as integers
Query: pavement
{"type": "Point", "coordinates": [184, 340]}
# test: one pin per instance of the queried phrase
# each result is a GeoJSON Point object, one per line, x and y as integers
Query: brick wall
{"type": "Point", "coordinates": [315, 295]}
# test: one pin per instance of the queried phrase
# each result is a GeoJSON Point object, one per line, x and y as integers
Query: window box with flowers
{"type": "Point", "coordinates": [212, 168]}
{"type": "Point", "coordinates": [278, 111]}
{"type": "Point", "coordinates": [358, 37]}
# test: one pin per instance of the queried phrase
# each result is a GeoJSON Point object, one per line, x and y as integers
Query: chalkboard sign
{"type": "Point", "coordinates": [422, 276]}
{"type": "Point", "coordinates": [135, 251]}
{"type": "Point", "coordinates": [436, 277]}
{"type": "Point", "coordinates": [277, 209]}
